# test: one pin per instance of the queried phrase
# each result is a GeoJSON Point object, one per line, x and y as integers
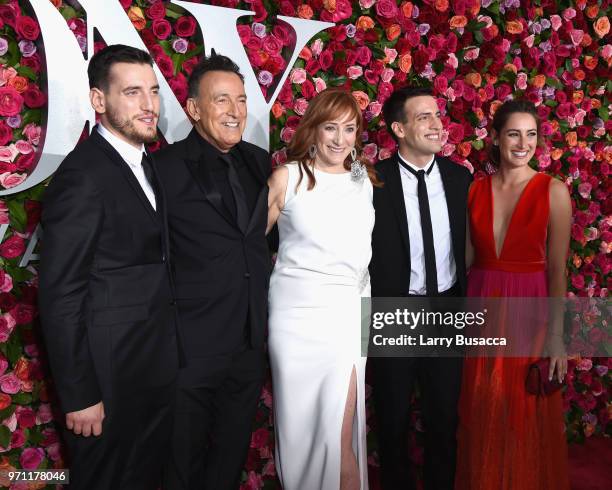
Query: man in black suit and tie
{"type": "Point", "coordinates": [217, 195]}
{"type": "Point", "coordinates": [105, 297]}
{"type": "Point", "coordinates": [418, 249]}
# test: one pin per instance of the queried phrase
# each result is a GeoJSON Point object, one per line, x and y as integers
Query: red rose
{"type": "Point", "coordinates": [27, 28]}
{"type": "Point", "coordinates": [8, 15]}
{"type": "Point", "coordinates": [326, 58]}
{"type": "Point", "coordinates": [126, 3]}
{"type": "Point", "coordinates": [161, 28]}
{"type": "Point", "coordinates": [185, 26]}
{"type": "Point", "coordinates": [7, 302]}
{"type": "Point", "coordinates": [312, 67]}
{"type": "Point", "coordinates": [26, 418]}
{"type": "Point", "coordinates": [260, 11]}
{"type": "Point", "coordinates": [165, 65]}
{"type": "Point", "coordinates": [33, 97]}
{"type": "Point", "coordinates": [260, 438]}
{"type": "Point", "coordinates": [156, 11]}
{"type": "Point", "coordinates": [420, 59]}
{"type": "Point", "coordinates": [245, 33]}
{"type": "Point", "coordinates": [23, 313]}
{"type": "Point", "coordinates": [24, 162]}
{"type": "Point", "coordinates": [455, 133]}
{"type": "Point", "coordinates": [370, 76]}
{"type": "Point", "coordinates": [440, 85]}
{"type": "Point", "coordinates": [12, 247]}
{"type": "Point", "coordinates": [11, 101]}
{"type": "Point", "coordinates": [274, 64]}
{"type": "Point", "coordinates": [287, 8]}
{"type": "Point", "coordinates": [17, 438]}
{"type": "Point", "coordinates": [271, 44]}
{"type": "Point", "coordinates": [6, 133]}
{"type": "Point", "coordinates": [385, 89]}
{"type": "Point", "coordinates": [387, 9]}
{"type": "Point", "coordinates": [178, 85]}
{"type": "Point", "coordinates": [189, 65]}
{"type": "Point", "coordinates": [308, 90]}
{"type": "Point", "coordinates": [5, 401]}
{"type": "Point", "coordinates": [284, 34]}
{"type": "Point", "coordinates": [254, 43]}
{"type": "Point", "coordinates": [31, 457]}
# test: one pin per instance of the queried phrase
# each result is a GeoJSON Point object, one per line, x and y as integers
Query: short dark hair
{"type": "Point", "coordinates": [500, 119]}
{"type": "Point", "coordinates": [214, 62]}
{"type": "Point", "coordinates": [393, 108]}
{"type": "Point", "coordinates": [101, 63]}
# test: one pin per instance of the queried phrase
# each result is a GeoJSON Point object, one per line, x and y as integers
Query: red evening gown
{"type": "Point", "coordinates": [507, 438]}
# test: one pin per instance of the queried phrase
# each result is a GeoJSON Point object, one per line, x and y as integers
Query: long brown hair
{"type": "Point", "coordinates": [330, 104]}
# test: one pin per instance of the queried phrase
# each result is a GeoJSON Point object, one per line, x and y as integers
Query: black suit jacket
{"type": "Point", "coordinates": [105, 295]}
{"type": "Point", "coordinates": [221, 274]}
{"type": "Point", "coordinates": [390, 265]}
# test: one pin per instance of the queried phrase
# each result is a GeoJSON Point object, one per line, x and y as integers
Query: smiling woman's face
{"type": "Point", "coordinates": [517, 140]}
{"type": "Point", "coordinates": [335, 139]}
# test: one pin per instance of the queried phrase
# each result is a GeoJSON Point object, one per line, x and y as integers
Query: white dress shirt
{"type": "Point", "coordinates": [133, 157]}
{"type": "Point", "coordinates": [443, 247]}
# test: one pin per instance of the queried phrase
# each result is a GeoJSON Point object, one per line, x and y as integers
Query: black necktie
{"type": "Point", "coordinates": [242, 213]}
{"type": "Point", "coordinates": [431, 273]}
{"type": "Point", "coordinates": [148, 171]}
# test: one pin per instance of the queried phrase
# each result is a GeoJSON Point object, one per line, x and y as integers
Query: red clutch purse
{"type": "Point", "coordinates": [537, 382]}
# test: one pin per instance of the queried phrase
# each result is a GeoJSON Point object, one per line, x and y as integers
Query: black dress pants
{"type": "Point", "coordinates": [216, 403]}
{"type": "Point", "coordinates": [439, 380]}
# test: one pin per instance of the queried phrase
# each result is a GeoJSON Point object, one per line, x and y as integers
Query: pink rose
{"type": "Point", "coordinates": [27, 28]}
{"type": "Point", "coordinates": [54, 451]}
{"type": "Point", "coordinates": [286, 134]}
{"type": "Point", "coordinates": [31, 457]}
{"type": "Point", "coordinates": [369, 151]}
{"type": "Point", "coordinates": [298, 75]}
{"type": "Point", "coordinates": [584, 365]}
{"type": "Point", "coordinates": [387, 9]}
{"type": "Point", "coordinates": [8, 180]}
{"type": "Point", "coordinates": [13, 246]}
{"type": "Point", "coordinates": [354, 72]}
{"type": "Point", "coordinates": [44, 414]}
{"type": "Point", "coordinates": [300, 106]}
{"type": "Point", "coordinates": [24, 147]}
{"type": "Point", "coordinates": [6, 282]}
{"type": "Point", "coordinates": [161, 28]}
{"type": "Point", "coordinates": [11, 101]}
{"type": "Point", "coordinates": [320, 84]}
{"type": "Point", "coordinates": [9, 383]}
{"type": "Point", "coordinates": [185, 26]}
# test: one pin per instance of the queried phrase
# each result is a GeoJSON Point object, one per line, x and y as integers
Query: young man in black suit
{"type": "Point", "coordinates": [216, 186]}
{"type": "Point", "coordinates": [105, 292]}
{"type": "Point", "coordinates": [418, 249]}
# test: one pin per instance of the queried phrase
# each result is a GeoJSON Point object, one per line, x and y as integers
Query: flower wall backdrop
{"type": "Point", "coordinates": [475, 54]}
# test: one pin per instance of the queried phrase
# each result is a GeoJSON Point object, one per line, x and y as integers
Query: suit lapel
{"type": "Point", "coordinates": [125, 170]}
{"type": "Point", "coordinates": [453, 202]}
{"type": "Point", "coordinates": [394, 183]}
{"type": "Point", "coordinates": [255, 167]}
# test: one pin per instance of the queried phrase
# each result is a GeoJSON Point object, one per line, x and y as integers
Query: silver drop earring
{"type": "Point", "coordinates": [312, 151]}
{"type": "Point", "coordinates": [358, 170]}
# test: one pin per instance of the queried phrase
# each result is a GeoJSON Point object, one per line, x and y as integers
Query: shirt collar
{"type": "Point", "coordinates": [131, 155]}
{"type": "Point", "coordinates": [414, 167]}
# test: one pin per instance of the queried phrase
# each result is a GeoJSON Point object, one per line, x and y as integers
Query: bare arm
{"type": "Point", "coordinates": [559, 228]}
{"type": "Point", "coordinates": [276, 197]}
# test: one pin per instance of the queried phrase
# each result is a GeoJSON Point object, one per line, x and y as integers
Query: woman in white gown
{"type": "Point", "coordinates": [323, 203]}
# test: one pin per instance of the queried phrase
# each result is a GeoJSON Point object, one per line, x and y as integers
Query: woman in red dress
{"type": "Point", "coordinates": [519, 223]}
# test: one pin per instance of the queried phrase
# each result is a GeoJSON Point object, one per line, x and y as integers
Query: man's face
{"type": "Point", "coordinates": [220, 109]}
{"type": "Point", "coordinates": [129, 108]}
{"type": "Point", "coordinates": [420, 135]}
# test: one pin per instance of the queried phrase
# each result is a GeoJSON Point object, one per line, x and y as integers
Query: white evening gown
{"type": "Point", "coordinates": [314, 327]}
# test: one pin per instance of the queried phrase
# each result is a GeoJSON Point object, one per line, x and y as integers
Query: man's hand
{"type": "Point", "coordinates": [87, 421]}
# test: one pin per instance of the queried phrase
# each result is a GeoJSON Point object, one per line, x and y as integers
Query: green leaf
{"type": "Point", "coordinates": [13, 53]}
{"type": "Point", "coordinates": [17, 214]}
{"type": "Point", "coordinates": [31, 115]}
{"type": "Point", "coordinates": [478, 144]}
{"type": "Point", "coordinates": [27, 72]}
{"type": "Point", "coordinates": [22, 398]}
{"type": "Point", "coordinates": [7, 412]}
{"type": "Point", "coordinates": [68, 12]}
{"type": "Point", "coordinates": [5, 436]}
{"type": "Point", "coordinates": [194, 52]}
{"type": "Point", "coordinates": [174, 11]}
{"type": "Point", "coordinates": [603, 112]}
{"type": "Point", "coordinates": [478, 37]}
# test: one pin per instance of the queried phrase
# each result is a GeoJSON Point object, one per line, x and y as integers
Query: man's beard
{"type": "Point", "coordinates": [128, 130]}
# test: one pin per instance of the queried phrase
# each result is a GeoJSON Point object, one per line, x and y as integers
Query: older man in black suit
{"type": "Point", "coordinates": [217, 212]}
{"type": "Point", "coordinates": [106, 303]}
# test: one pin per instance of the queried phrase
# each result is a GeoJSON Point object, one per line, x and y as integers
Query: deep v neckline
{"type": "Point", "coordinates": [512, 215]}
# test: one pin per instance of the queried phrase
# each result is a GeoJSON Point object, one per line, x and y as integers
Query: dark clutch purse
{"type": "Point", "coordinates": [537, 382]}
